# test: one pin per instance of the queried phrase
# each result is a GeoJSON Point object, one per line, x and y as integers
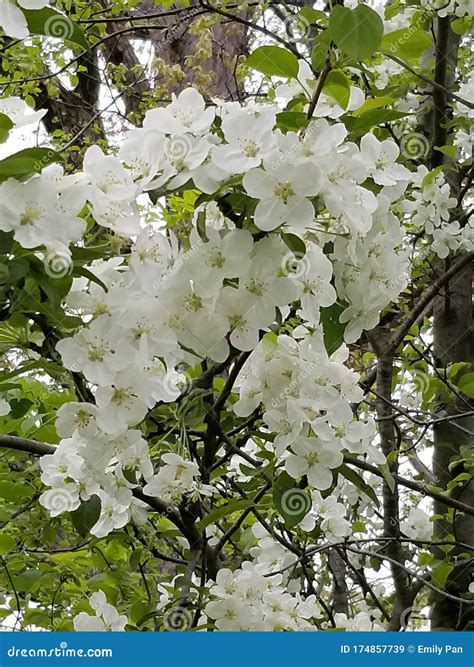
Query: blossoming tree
{"type": "Point", "coordinates": [236, 386]}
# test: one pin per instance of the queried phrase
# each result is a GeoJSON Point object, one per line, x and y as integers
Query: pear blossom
{"type": "Point", "coordinates": [315, 459]}
{"type": "Point", "coordinates": [12, 19]}
{"type": "Point", "coordinates": [284, 195]}
{"type": "Point", "coordinates": [106, 618]}
{"type": "Point", "coordinates": [380, 158]}
{"type": "Point", "coordinates": [14, 107]}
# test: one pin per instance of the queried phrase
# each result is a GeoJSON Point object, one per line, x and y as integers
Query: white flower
{"type": "Point", "coordinates": [107, 618]}
{"type": "Point", "coordinates": [114, 511]}
{"type": "Point", "coordinates": [4, 407]}
{"type": "Point", "coordinates": [186, 113]}
{"type": "Point", "coordinates": [283, 194]}
{"type": "Point", "coordinates": [12, 19]}
{"type": "Point", "coordinates": [36, 215]}
{"type": "Point", "coordinates": [17, 109]}
{"type": "Point", "coordinates": [329, 108]}
{"type": "Point", "coordinates": [249, 140]}
{"type": "Point", "coordinates": [417, 525]}
{"type": "Point", "coordinates": [315, 459]}
{"type": "Point", "coordinates": [119, 406]}
{"type": "Point", "coordinates": [244, 315]}
{"type": "Point", "coordinates": [99, 351]}
{"type": "Point", "coordinates": [380, 157]}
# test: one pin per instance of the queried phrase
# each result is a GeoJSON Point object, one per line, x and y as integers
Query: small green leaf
{"type": "Point", "coordinates": [221, 512]}
{"type": "Point", "coordinates": [388, 477]}
{"type": "Point", "coordinates": [27, 162]}
{"type": "Point", "coordinates": [440, 573]}
{"type": "Point", "coordinates": [408, 43]}
{"type": "Point", "coordinates": [333, 330]}
{"type": "Point", "coordinates": [373, 103]}
{"type": "Point", "coordinates": [461, 26]}
{"type": "Point", "coordinates": [274, 61]}
{"type": "Point", "coordinates": [14, 490]}
{"type": "Point", "coordinates": [361, 125]}
{"type": "Point", "coordinates": [358, 32]}
{"type": "Point", "coordinates": [6, 125]}
{"type": "Point", "coordinates": [466, 384]}
{"type": "Point", "coordinates": [7, 543]}
{"type": "Point", "coordinates": [26, 580]}
{"type": "Point", "coordinates": [86, 515]}
{"type": "Point", "coordinates": [291, 120]}
{"type": "Point", "coordinates": [49, 22]}
{"type": "Point", "coordinates": [295, 243]}
{"type": "Point", "coordinates": [337, 86]}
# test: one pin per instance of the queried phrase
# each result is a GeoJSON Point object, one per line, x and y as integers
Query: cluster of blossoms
{"type": "Point", "coordinates": [307, 399]}
{"type": "Point", "coordinates": [247, 600]}
{"type": "Point", "coordinates": [151, 315]}
{"type": "Point", "coordinates": [105, 619]}
{"type": "Point", "coordinates": [430, 208]}
{"type": "Point", "coordinates": [171, 305]}
{"type": "Point", "coordinates": [450, 7]}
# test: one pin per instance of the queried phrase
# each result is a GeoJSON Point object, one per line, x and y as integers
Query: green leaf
{"type": "Point", "coordinates": [26, 580]}
{"type": "Point", "coordinates": [359, 482]}
{"type": "Point", "coordinates": [361, 125]}
{"type": "Point", "coordinates": [6, 125]}
{"type": "Point", "coordinates": [373, 103]}
{"type": "Point", "coordinates": [337, 86]}
{"type": "Point", "coordinates": [440, 573]}
{"type": "Point", "coordinates": [86, 515]}
{"type": "Point", "coordinates": [7, 543]}
{"type": "Point", "coordinates": [466, 384]}
{"type": "Point", "coordinates": [295, 243]}
{"type": "Point", "coordinates": [461, 26]}
{"type": "Point", "coordinates": [49, 22]}
{"type": "Point", "coordinates": [333, 330]}
{"type": "Point", "coordinates": [291, 502]}
{"type": "Point", "coordinates": [221, 512]}
{"type": "Point", "coordinates": [82, 271]}
{"type": "Point", "coordinates": [358, 32]}
{"type": "Point", "coordinates": [291, 120]}
{"type": "Point", "coordinates": [26, 162]}
{"type": "Point", "coordinates": [388, 477]}
{"type": "Point", "coordinates": [274, 61]}
{"type": "Point", "coordinates": [14, 490]}
{"type": "Point", "coordinates": [450, 151]}
{"type": "Point", "coordinates": [408, 43]}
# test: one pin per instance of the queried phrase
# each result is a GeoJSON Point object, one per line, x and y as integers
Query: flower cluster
{"type": "Point", "coordinates": [318, 238]}
{"type": "Point", "coordinates": [431, 208]}
{"type": "Point", "coordinates": [105, 619]}
{"type": "Point", "coordinates": [307, 398]}
{"type": "Point", "coordinates": [247, 600]}
{"type": "Point", "coordinates": [451, 7]}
